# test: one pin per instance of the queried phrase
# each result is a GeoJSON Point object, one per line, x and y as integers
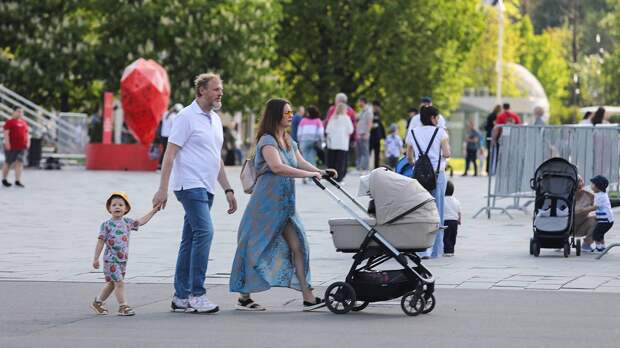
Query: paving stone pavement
{"type": "Point", "coordinates": [48, 232]}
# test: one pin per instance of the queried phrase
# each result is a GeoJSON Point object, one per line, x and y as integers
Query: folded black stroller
{"type": "Point", "coordinates": [555, 183]}
{"type": "Point", "coordinates": [406, 222]}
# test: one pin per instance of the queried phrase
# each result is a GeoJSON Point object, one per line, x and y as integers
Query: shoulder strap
{"type": "Point", "coordinates": [432, 139]}
{"type": "Point", "coordinates": [416, 142]}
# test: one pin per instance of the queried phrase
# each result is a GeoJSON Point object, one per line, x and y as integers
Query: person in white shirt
{"type": "Point", "coordinates": [166, 127]}
{"type": "Point", "coordinates": [193, 158]}
{"type": "Point", "coordinates": [339, 130]}
{"type": "Point", "coordinates": [602, 206]}
{"type": "Point", "coordinates": [586, 119]}
{"type": "Point", "coordinates": [438, 152]}
{"type": "Point", "coordinates": [452, 219]}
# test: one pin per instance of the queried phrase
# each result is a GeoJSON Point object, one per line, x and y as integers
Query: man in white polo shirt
{"type": "Point", "coordinates": [193, 157]}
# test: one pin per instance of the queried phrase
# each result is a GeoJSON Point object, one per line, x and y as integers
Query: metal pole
{"type": "Point", "coordinates": [500, 50]}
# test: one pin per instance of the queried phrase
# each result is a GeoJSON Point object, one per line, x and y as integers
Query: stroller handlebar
{"type": "Point", "coordinates": [318, 183]}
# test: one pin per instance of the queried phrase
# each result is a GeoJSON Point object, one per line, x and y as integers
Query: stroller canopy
{"type": "Point", "coordinates": [562, 174]}
{"type": "Point", "coordinates": [397, 195]}
{"type": "Point", "coordinates": [556, 166]}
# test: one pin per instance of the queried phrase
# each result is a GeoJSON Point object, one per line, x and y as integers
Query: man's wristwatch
{"type": "Point", "coordinates": [229, 190]}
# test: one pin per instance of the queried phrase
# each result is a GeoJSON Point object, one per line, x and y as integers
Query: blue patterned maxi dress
{"type": "Point", "coordinates": [263, 258]}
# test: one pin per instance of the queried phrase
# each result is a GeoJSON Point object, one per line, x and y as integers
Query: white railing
{"type": "Point", "coordinates": [68, 138]}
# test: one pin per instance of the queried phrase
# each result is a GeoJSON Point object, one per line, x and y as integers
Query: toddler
{"type": "Point", "coordinates": [602, 206]}
{"type": "Point", "coordinates": [452, 219]}
{"type": "Point", "coordinates": [393, 147]}
{"type": "Point", "coordinates": [114, 234]}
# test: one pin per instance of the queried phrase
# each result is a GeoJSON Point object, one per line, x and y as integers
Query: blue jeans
{"type": "Point", "coordinates": [362, 154]}
{"type": "Point", "coordinates": [439, 194]}
{"type": "Point", "coordinates": [308, 151]}
{"type": "Point", "coordinates": [191, 269]}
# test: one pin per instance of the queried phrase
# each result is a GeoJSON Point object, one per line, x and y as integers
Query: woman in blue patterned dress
{"type": "Point", "coordinates": [272, 249]}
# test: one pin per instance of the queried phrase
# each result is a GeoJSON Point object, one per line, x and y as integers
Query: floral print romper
{"type": "Point", "coordinates": [115, 236]}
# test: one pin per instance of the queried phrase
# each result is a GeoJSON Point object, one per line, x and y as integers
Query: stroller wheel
{"type": "Point", "coordinates": [531, 246]}
{"type": "Point", "coordinates": [412, 304]}
{"type": "Point", "coordinates": [578, 247]}
{"type": "Point", "coordinates": [535, 248]}
{"type": "Point", "coordinates": [360, 307]}
{"type": "Point", "coordinates": [566, 249]}
{"type": "Point", "coordinates": [429, 305]}
{"type": "Point", "coordinates": [340, 297]}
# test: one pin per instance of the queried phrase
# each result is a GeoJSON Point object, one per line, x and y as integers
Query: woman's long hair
{"type": "Point", "coordinates": [269, 123]}
{"type": "Point", "coordinates": [497, 109]}
{"type": "Point", "coordinates": [599, 116]}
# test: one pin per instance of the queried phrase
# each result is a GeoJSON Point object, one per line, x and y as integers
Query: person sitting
{"type": "Point", "coordinates": [584, 223]}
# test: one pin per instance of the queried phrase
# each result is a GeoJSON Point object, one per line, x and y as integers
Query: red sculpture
{"type": "Point", "coordinates": [145, 94]}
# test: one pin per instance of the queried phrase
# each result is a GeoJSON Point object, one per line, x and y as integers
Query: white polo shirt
{"type": "Point", "coordinates": [200, 136]}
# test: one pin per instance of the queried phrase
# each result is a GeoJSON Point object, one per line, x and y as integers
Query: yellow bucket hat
{"type": "Point", "coordinates": [122, 195]}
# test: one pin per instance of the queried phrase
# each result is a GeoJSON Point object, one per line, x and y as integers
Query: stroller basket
{"type": "Point", "coordinates": [381, 285]}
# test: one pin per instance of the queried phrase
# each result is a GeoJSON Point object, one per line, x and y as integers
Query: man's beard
{"type": "Point", "coordinates": [216, 105]}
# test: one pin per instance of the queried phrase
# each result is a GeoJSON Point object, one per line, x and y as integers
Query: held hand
{"type": "Point", "coordinates": [232, 202]}
{"type": "Point", "coordinates": [96, 264]}
{"type": "Point", "coordinates": [160, 199]}
{"type": "Point", "coordinates": [332, 173]}
{"type": "Point", "coordinates": [316, 175]}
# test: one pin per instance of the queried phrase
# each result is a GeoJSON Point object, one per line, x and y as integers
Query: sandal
{"type": "Point", "coordinates": [249, 305]}
{"type": "Point", "coordinates": [310, 306]}
{"type": "Point", "coordinates": [125, 311]}
{"type": "Point", "coordinates": [98, 307]}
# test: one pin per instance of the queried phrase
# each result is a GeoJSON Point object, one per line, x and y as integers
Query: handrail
{"type": "Point", "coordinates": [31, 107]}
{"type": "Point", "coordinates": [66, 136]}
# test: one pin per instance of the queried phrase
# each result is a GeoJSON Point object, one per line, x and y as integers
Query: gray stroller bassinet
{"type": "Point", "coordinates": [406, 215]}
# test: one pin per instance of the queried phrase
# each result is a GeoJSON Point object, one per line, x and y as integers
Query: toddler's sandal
{"type": "Point", "coordinates": [98, 307]}
{"type": "Point", "coordinates": [125, 311]}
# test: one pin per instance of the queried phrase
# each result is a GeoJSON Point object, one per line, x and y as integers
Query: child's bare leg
{"type": "Point", "coordinates": [106, 291]}
{"type": "Point", "coordinates": [119, 292]}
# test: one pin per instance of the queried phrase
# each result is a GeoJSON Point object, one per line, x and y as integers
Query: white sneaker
{"type": "Point", "coordinates": [201, 304]}
{"type": "Point", "coordinates": [179, 304]}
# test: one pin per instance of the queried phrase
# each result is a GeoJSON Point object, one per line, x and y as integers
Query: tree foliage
{"type": "Point", "coordinates": [395, 51]}
{"type": "Point", "coordinates": [65, 53]}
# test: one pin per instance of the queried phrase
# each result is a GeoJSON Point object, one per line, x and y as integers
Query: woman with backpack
{"type": "Point", "coordinates": [428, 147]}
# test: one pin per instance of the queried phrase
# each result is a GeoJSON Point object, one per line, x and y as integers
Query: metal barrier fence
{"type": "Point", "coordinates": [521, 149]}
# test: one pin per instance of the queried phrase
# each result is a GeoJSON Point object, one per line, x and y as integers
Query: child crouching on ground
{"type": "Point", "coordinates": [114, 234]}
{"type": "Point", "coordinates": [602, 206]}
{"type": "Point", "coordinates": [452, 219]}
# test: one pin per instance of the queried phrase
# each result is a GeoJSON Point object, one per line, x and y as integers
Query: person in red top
{"type": "Point", "coordinates": [16, 143]}
{"type": "Point", "coordinates": [507, 116]}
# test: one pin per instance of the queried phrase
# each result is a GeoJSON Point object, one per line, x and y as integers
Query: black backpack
{"type": "Point", "coordinates": [423, 170]}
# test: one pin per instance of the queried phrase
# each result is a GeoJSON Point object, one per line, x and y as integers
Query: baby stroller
{"type": "Point", "coordinates": [406, 222]}
{"type": "Point", "coordinates": [555, 183]}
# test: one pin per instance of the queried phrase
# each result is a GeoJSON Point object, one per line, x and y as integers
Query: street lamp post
{"type": "Point", "coordinates": [500, 50]}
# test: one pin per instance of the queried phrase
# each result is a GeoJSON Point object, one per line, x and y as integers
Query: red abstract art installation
{"type": "Point", "coordinates": [145, 94]}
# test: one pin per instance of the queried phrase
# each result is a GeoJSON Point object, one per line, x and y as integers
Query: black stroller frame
{"type": "Point", "coordinates": [544, 239]}
{"type": "Point", "coordinates": [363, 284]}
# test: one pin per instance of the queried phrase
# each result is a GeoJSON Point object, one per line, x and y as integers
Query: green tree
{"type": "Point", "coordinates": [47, 51]}
{"type": "Point", "coordinates": [233, 38]}
{"type": "Point", "coordinates": [396, 51]}
{"type": "Point", "coordinates": [63, 54]}
{"type": "Point", "coordinates": [544, 55]}
{"type": "Point", "coordinates": [611, 61]}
